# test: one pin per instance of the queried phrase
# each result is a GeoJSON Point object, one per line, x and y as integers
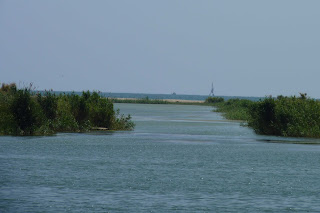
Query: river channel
{"type": "Point", "coordinates": [179, 158]}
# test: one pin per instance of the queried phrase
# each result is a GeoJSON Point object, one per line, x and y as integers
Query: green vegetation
{"type": "Point", "coordinates": [234, 109]}
{"type": "Point", "coordinates": [286, 116]}
{"type": "Point", "coordinates": [145, 100]}
{"type": "Point", "coordinates": [281, 116]}
{"type": "Point", "coordinates": [22, 112]}
{"type": "Point", "coordinates": [212, 100]}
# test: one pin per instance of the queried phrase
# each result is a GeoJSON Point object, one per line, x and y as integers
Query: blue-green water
{"type": "Point", "coordinates": [178, 159]}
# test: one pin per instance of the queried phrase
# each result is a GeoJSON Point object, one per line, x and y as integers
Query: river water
{"type": "Point", "coordinates": [179, 158]}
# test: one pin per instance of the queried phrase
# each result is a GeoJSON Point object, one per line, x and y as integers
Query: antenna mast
{"type": "Point", "coordinates": [212, 89]}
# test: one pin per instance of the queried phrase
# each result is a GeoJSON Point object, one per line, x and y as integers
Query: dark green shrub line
{"type": "Point", "coordinates": [233, 109]}
{"type": "Point", "coordinates": [212, 100]}
{"type": "Point", "coordinates": [23, 112]}
{"type": "Point", "coordinates": [286, 116]}
{"type": "Point", "coordinates": [281, 116]}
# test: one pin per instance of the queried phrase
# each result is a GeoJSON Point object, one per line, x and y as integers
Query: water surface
{"type": "Point", "coordinates": [178, 159]}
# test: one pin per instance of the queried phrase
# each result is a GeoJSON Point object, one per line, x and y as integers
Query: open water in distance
{"type": "Point", "coordinates": [161, 96]}
{"type": "Point", "coordinates": [179, 158]}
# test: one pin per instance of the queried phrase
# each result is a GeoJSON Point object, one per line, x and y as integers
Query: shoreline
{"type": "Point", "coordinates": [165, 100]}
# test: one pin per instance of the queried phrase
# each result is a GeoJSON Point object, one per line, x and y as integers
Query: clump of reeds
{"type": "Point", "coordinates": [24, 112]}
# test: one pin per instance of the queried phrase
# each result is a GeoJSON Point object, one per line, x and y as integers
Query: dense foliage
{"type": "Point", "coordinates": [211, 100]}
{"type": "Point", "coordinates": [23, 112]}
{"type": "Point", "coordinates": [286, 116]}
{"type": "Point", "coordinates": [281, 116]}
{"type": "Point", "coordinates": [234, 109]}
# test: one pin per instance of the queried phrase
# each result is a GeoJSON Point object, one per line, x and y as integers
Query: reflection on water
{"type": "Point", "coordinates": [178, 159]}
{"type": "Point", "coordinates": [292, 141]}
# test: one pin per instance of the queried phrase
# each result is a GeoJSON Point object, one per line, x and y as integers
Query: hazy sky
{"type": "Point", "coordinates": [246, 48]}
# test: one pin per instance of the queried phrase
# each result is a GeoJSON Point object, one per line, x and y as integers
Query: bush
{"type": "Point", "coordinates": [286, 116]}
{"type": "Point", "coordinates": [49, 104]}
{"type": "Point", "coordinates": [234, 109]}
{"type": "Point", "coordinates": [123, 122]}
{"type": "Point", "coordinates": [79, 107]}
{"type": "Point", "coordinates": [101, 112]}
{"type": "Point", "coordinates": [7, 120]}
{"type": "Point", "coordinates": [65, 121]}
{"type": "Point", "coordinates": [211, 100]}
{"type": "Point", "coordinates": [23, 110]}
{"type": "Point", "coordinates": [23, 113]}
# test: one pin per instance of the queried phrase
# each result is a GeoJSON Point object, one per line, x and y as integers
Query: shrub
{"type": "Point", "coordinates": [49, 104]}
{"type": "Point", "coordinates": [65, 121]}
{"type": "Point", "coordinates": [7, 120]}
{"type": "Point", "coordinates": [234, 109]}
{"type": "Point", "coordinates": [79, 107]}
{"type": "Point", "coordinates": [286, 116]}
{"type": "Point", "coordinates": [211, 100]}
{"type": "Point", "coordinates": [101, 112]}
{"type": "Point", "coordinates": [23, 113]}
{"type": "Point", "coordinates": [123, 122]}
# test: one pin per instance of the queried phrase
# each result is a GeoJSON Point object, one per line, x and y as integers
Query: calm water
{"type": "Point", "coordinates": [178, 159]}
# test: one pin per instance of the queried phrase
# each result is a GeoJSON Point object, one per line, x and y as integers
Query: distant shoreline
{"type": "Point", "coordinates": [165, 100]}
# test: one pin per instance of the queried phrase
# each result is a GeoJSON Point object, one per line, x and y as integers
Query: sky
{"type": "Point", "coordinates": [246, 48]}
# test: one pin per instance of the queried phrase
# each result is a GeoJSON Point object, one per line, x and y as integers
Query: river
{"type": "Point", "coordinates": [179, 158]}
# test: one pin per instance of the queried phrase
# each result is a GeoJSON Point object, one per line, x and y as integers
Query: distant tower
{"type": "Point", "coordinates": [212, 89]}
